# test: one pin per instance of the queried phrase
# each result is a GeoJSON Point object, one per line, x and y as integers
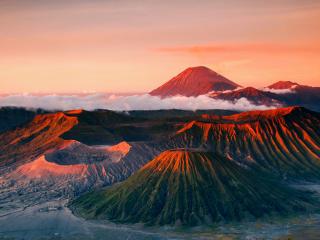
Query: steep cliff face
{"type": "Point", "coordinates": [75, 168]}
{"type": "Point", "coordinates": [285, 141]}
{"type": "Point", "coordinates": [37, 137]}
{"type": "Point", "coordinates": [36, 157]}
{"type": "Point", "coordinates": [12, 117]}
{"type": "Point", "coordinates": [189, 187]}
{"type": "Point", "coordinates": [194, 81]}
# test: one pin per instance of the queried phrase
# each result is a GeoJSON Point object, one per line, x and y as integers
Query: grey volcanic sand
{"type": "Point", "coordinates": [52, 220]}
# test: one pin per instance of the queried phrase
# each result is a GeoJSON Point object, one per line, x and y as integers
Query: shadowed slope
{"type": "Point", "coordinates": [34, 139]}
{"type": "Point", "coordinates": [284, 141]}
{"type": "Point", "coordinates": [11, 117]}
{"type": "Point", "coordinates": [189, 187]}
{"type": "Point", "coordinates": [105, 127]}
{"type": "Point", "coordinates": [296, 94]}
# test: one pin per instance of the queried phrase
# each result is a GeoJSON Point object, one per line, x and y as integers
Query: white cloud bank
{"type": "Point", "coordinates": [120, 102]}
{"type": "Point", "coordinates": [280, 91]}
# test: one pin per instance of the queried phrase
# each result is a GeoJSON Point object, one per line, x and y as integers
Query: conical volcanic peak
{"type": "Point", "coordinates": [194, 81]}
{"type": "Point", "coordinates": [190, 188]}
{"type": "Point", "coordinates": [283, 85]}
{"type": "Point", "coordinates": [178, 160]}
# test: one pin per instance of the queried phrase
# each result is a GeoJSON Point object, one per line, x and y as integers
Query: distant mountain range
{"type": "Point", "coordinates": [201, 80]}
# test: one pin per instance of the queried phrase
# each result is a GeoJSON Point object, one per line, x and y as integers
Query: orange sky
{"type": "Point", "coordinates": [134, 46]}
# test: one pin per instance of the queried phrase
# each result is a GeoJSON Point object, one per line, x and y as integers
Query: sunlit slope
{"type": "Point", "coordinates": [189, 187]}
{"type": "Point", "coordinates": [284, 141]}
{"type": "Point", "coordinates": [37, 137]}
{"type": "Point", "coordinates": [194, 81]}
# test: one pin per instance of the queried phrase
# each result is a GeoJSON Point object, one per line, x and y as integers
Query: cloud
{"type": "Point", "coordinates": [123, 103]}
{"type": "Point", "coordinates": [280, 91]}
{"type": "Point", "coordinates": [214, 93]}
{"type": "Point", "coordinates": [239, 47]}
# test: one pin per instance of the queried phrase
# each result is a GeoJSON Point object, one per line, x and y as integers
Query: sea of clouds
{"type": "Point", "coordinates": [280, 91]}
{"type": "Point", "coordinates": [120, 102]}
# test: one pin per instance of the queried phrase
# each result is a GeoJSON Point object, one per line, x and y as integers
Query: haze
{"type": "Point", "coordinates": [135, 46]}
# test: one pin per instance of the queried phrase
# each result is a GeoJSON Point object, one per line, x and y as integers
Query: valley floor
{"type": "Point", "coordinates": [53, 220]}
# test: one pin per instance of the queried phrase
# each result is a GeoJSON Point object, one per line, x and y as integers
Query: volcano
{"type": "Point", "coordinates": [37, 137]}
{"type": "Point", "coordinates": [291, 93]}
{"type": "Point", "coordinates": [194, 81]}
{"type": "Point", "coordinates": [283, 85]}
{"type": "Point", "coordinates": [189, 187]}
{"type": "Point", "coordinates": [281, 141]}
{"type": "Point", "coordinates": [253, 95]}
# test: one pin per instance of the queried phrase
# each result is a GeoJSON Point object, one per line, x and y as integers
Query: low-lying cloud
{"type": "Point", "coordinates": [123, 103]}
{"type": "Point", "coordinates": [280, 91]}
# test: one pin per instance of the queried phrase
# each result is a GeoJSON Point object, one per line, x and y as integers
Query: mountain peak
{"type": "Point", "coordinates": [178, 160]}
{"type": "Point", "coordinates": [74, 112]}
{"type": "Point", "coordinates": [194, 81]}
{"type": "Point", "coordinates": [204, 178]}
{"type": "Point", "coordinates": [283, 85]}
{"type": "Point", "coordinates": [199, 69]}
{"type": "Point", "coordinates": [252, 94]}
{"type": "Point", "coordinates": [250, 89]}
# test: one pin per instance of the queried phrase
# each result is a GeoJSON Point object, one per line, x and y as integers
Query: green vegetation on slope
{"type": "Point", "coordinates": [191, 188]}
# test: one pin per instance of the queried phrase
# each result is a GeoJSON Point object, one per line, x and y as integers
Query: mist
{"type": "Point", "coordinates": [119, 102]}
